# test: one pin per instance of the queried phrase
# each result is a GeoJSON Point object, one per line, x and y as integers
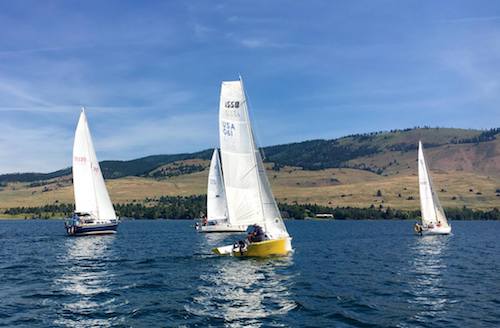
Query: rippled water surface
{"type": "Point", "coordinates": [161, 273]}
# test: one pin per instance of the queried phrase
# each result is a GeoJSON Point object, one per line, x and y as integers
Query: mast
{"type": "Point", "coordinates": [87, 129]}
{"type": "Point", "coordinates": [427, 181]}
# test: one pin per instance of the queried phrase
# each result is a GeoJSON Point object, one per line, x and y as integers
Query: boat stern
{"type": "Point", "coordinates": [266, 248]}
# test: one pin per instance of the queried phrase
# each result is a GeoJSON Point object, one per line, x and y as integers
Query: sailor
{"type": "Point", "coordinates": [256, 235]}
{"type": "Point", "coordinates": [418, 229]}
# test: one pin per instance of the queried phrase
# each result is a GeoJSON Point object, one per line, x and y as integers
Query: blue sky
{"type": "Point", "coordinates": [149, 72]}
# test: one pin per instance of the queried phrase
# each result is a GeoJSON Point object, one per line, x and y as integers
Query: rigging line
{"type": "Point", "coordinates": [254, 128]}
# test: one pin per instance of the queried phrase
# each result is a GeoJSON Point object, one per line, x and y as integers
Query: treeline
{"type": "Point", "coordinates": [191, 207]}
{"type": "Point", "coordinates": [484, 136]}
{"type": "Point", "coordinates": [317, 154]}
{"type": "Point", "coordinates": [43, 212]}
{"type": "Point", "coordinates": [465, 213]}
{"type": "Point", "coordinates": [166, 207]}
{"type": "Point", "coordinates": [29, 177]}
{"type": "Point", "coordinates": [302, 211]}
{"type": "Point", "coordinates": [177, 169]}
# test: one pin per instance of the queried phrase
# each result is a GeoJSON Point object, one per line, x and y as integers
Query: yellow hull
{"type": "Point", "coordinates": [275, 247]}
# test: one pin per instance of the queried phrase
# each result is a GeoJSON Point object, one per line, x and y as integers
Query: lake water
{"type": "Point", "coordinates": [161, 273]}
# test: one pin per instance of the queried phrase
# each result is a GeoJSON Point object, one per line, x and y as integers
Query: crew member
{"type": "Point", "coordinates": [257, 234]}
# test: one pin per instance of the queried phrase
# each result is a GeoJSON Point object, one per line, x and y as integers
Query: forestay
{"type": "Point", "coordinates": [216, 196]}
{"type": "Point", "coordinates": [432, 211]}
{"type": "Point", "coordinates": [91, 195]}
{"type": "Point", "coordinates": [249, 196]}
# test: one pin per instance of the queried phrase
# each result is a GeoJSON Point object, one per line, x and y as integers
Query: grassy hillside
{"type": "Point", "coordinates": [332, 187]}
{"type": "Point", "coordinates": [343, 172]}
{"type": "Point", "coordinates": [351, 151]}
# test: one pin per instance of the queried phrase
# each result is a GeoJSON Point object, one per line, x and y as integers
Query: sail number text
{"type": "Point", "coordinates": [232, 104]}
{"type": "Point", "coordinates": [228, 129]}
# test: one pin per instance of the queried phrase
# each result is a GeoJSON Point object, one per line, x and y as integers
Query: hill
{"type": "Point", "coordinates": [355, 151]}
{"type": "Point", "coordinates": [347, 171]}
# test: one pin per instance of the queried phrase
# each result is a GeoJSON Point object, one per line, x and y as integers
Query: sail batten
{"type": "Point", "coordinates": [91, 195]}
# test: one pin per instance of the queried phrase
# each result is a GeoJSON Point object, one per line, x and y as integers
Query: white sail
{"type": "Point", "coordinates": [432, 211]}
{"type": "Point", "coordinates": [91, 195]}
{"type": "Point", "coordinates": [249, 196]}
{"type": "Point", "coordinates": [216, 195]}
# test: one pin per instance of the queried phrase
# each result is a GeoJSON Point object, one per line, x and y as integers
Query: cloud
{"type": "Point", "coordinates": [253, 43]}
{"type": "Point", "coordinates": [472, 19]}
{"type": "Point", "coordinates": [14, 92]}
{"type": "Point", "coordinates": [169, 134]}
{"type": "Point", "coordinates": [38, 149]}
{"type": "Point", "coordinates": [149, 75]}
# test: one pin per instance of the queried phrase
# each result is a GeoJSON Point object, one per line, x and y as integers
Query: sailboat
{"type": "Point", "coordinates": [250, 200]}
{"type": "Point", "coordinates": [434, 220]}
{"type": "Point", "coordinates": [94, 212]}
{"type": "Point", "coordinates": [217, 219]}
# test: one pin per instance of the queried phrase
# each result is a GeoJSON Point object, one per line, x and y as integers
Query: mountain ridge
{"type": "Point", "coordinates": [351, 151]}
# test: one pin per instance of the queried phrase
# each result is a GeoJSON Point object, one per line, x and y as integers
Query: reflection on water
{"type": "Point", "coordinates": [243, 292]}
{"type": "Point", "coordinates": [86, 281]}
{"type": "Point", "coordinates": [211, 240]}
{"type": "Point", "coordinates": [429, 295]}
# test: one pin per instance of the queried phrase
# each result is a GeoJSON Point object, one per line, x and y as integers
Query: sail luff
{"type": "Point", "coordinates": [91, 155]}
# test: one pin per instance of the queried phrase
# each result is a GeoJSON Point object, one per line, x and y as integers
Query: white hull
{"type": "Point", "coordinates": [221, 228]}
{"type": "Point", "coordinates": [437, 231]}
{"type": "Point", "coordinates": [108, 232]}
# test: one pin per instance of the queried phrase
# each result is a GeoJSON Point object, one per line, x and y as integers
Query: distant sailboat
{"type": "Point", "coordinates": [434, 220]}
{"type": "Point", "coordinates": [217, 219]}
{"type": "Point", "coordinates": [94, 212]}
{"type": "Point", "coordinates": [249, 197]}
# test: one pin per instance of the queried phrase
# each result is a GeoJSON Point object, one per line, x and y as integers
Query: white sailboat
{"type": "Point", "coordinates": [249, 197]}
{"type": "Point", "coordinates": [433, 218]}
{"type": "Point", "coordinates": [94, 212]}
{"type": "Point", "coordinates": [217, 219]}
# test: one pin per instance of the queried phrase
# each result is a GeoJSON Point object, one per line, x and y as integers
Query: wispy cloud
{"type": "Point", "coordinates": [39, 149]}
{"type": "Point", "coordinates": [172, 134]}
{"type": "Point", "coordinates": [254, 43]}
{"type": "Point", "coordinates": [150, 74]}
{"type": "Point", "coordinates": [472, 19]}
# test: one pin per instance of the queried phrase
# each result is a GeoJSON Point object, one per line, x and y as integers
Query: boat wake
{"type": "Point", "coordinates": [244, 292]}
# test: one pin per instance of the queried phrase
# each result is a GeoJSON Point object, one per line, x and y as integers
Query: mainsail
{"type": "Point", "coordinates": [432, 211]}
{"type": "Point", "coordinates": [249, 196]}
{"type": "Point", "coordinates": [216, 195]}
{"type": "Point", "coordinates": [91, 195]}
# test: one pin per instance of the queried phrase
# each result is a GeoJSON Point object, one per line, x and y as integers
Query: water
{"type": "Point", "coordinates": [161, 273]}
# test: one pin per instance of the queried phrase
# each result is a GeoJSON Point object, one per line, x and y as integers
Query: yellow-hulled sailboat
{"type": "Point", "coordinates": [249, 197]}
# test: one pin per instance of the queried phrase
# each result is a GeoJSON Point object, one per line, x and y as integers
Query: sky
{"type": "Point", "coordinates": [149, 72]}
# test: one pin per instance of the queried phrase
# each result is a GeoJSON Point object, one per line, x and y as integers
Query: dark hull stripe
{"type": "Point", "coordinates": [102, 229]}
